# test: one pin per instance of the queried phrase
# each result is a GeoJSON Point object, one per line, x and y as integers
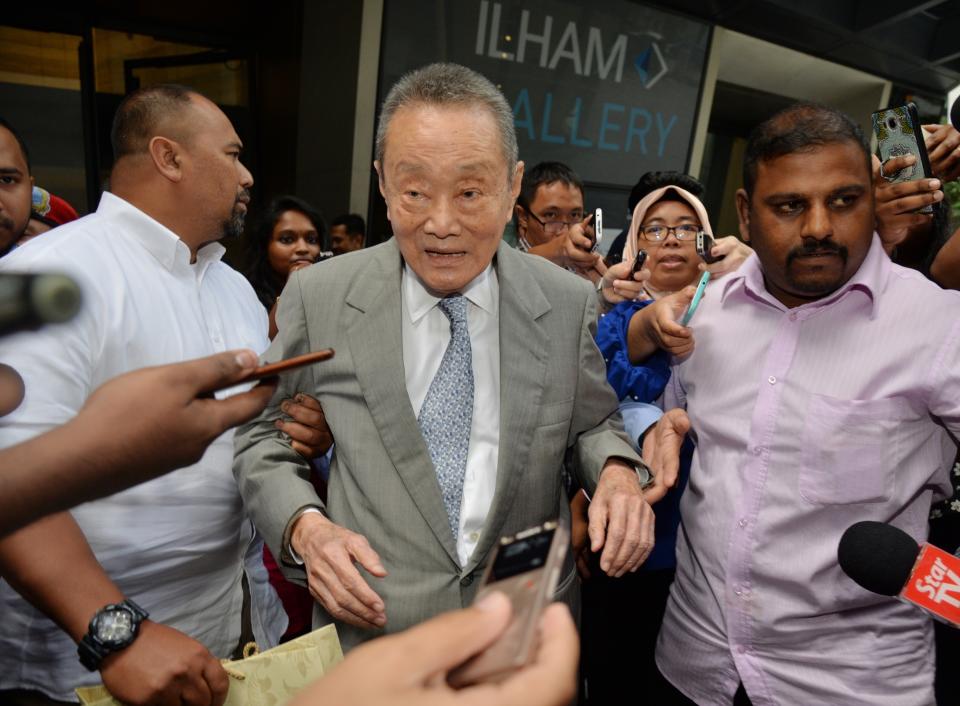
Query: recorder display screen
{"type": "Point", "coordinates": [523, 555]}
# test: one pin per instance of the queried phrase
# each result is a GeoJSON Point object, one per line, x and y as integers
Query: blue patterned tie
{"type": "Point", "coordinates": [447, 412]}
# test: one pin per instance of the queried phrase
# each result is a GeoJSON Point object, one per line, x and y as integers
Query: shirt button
{"type": "Point", "coordinates": [757, 450]}
{"type": "Point", "coordinates": [473, 536]}
{"type": "Point", "coordinates": [742, 522]}
{"type": "Point", "coordinates": [793, 317]}
{"type": "Point", "coordinates": [742, 649]}
{"type": "Point", "coordinates": [738, 592]}
{"type": "Point", "coordinates": [466, 580]}
{"type": "Point", "coordinates": [771, 380]}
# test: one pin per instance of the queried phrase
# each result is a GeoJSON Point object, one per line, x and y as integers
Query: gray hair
{"type": "Point", "coordinates": [450, 84]}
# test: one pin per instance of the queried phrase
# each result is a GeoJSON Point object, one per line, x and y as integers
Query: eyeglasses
{"type": "Point", "coordinates": [556, 227]}
{"type": "Point", "coordinates": [656, 234]}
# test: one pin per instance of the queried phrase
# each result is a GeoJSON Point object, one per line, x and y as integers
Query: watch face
{"type": "Point", "coordinates": [115, 627]}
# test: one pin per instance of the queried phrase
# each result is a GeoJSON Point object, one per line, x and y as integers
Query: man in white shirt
{"type": "Point", "coordinates": [179, 547]}
{"type": "Point", "coordinates": [464, 373]}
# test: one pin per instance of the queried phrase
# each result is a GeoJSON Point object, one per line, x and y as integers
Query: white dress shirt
{"type": "Point", "coordinates": [179, 544]}
{"type": "Point", "coordinates": [426, 333]}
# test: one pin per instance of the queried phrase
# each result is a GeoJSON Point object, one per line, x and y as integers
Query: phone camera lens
{"type": "Point", "coordinates": [892, 123]}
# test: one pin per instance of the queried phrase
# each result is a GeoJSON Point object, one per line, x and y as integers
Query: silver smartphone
{"type": "Point", "coordinates": [526, 567]}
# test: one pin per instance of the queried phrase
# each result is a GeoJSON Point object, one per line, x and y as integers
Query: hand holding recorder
{"type": "Point", "coordinates": [411, 667]}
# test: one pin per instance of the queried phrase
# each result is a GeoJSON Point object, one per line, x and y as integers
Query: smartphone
{"type": "Point", "coordinates": [283, 366]}
{"type": "Point", "coordinates": [899, 133]}
{"type": "Point", "coordinates": [697, 296]}
{"type": "Point", "coordinates": [597, 227]}
{"type": "Point", "coordinates": [705, 243]}
{"type": "Point", "coordinates": [638, 262]}
{"type": "Point", "coordinates": [526, 567]}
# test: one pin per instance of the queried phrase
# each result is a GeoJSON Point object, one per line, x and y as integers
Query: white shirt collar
{"type": "Point", "coordinates": [161, 242]}
{"type": "Point", "coordinates": [482, 291]}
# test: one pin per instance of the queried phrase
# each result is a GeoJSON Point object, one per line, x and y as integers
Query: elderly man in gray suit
{"type": "Point", "coordinates": [464, 372]}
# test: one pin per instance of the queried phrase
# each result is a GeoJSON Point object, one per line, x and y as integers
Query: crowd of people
{"type": "Point", "coordinates": [707, 467]}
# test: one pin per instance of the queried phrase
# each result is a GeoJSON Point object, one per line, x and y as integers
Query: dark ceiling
{"type": "Point", "coordinates": [914, 44]}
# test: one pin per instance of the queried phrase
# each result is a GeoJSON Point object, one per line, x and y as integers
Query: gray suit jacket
{"type": "Point", "coordinates": [554, 396]}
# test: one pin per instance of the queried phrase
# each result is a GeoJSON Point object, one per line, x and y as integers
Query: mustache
{"type": "Point", "coordinates": [243, 196]}
{"type": "Point", "coordinates": [6, 222]}
{"type": "Point", "coordinates": [811, 247]}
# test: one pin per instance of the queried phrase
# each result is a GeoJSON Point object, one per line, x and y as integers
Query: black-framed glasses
{"type": "Point", "coordinates": [658, 233]}
{"type": "Point", "coordinates": [555, 227]}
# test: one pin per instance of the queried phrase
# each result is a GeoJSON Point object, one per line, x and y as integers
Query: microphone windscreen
{"type": "Point", "coordinates": [955, 114]}
{"type": "Point", "coordinates": [877, 556]}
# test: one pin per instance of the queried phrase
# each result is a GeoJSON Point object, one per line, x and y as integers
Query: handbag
{"type": "Point", "coordinates": [267, 678]}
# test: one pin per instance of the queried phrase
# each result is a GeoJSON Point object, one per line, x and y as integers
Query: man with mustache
{"type": "Point", "coordinates": [820, 392]}
{"type": "Point", "coordinates": [179, 547]}
{"type": "Point", "coordinates": [16, 187]}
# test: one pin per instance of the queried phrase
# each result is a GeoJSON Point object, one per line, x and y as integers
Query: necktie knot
{"type": "Point", "coordinates": [455, 308]}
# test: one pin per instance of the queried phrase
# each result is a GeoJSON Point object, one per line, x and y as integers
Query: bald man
{"type": "Point", "coordinates": [178, 548]}
{"type": "Point", "coordinates": [16, 186]}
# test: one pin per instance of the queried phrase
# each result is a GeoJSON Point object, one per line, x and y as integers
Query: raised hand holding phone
{"type": "Point", "coordinates": [697, 296]}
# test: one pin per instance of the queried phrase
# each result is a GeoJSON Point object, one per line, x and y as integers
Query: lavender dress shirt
{"type": "Point", "coordinates": [807, 420]}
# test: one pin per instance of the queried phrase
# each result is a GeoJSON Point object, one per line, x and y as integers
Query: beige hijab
{"type": "Point", "coordinates": [632, 245]}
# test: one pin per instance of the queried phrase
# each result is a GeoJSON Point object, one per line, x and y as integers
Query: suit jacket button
{"type": "Point", "coordinates": [466, 580]}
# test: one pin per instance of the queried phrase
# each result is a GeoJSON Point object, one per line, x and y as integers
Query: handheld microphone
{"type": "Point", "coordinates": [955, 114]}
{"type": "Point", "coordinates": [886, 560]}
{"type": "Point", "coordinates": [28, 301]}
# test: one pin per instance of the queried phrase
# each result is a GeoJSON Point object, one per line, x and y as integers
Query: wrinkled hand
{"type": "Point", "coordinates": [663, 325]}
{"type": "Point", "coordinates": [307, 427]}
{"type": "Point", "coordinates": [943, 149]}
{"type": "Point", "coordinates": [618, 286]}
{"type": "Point", "coordinates": [621, 521]}
{"type": "Point", "coordinates": [733, 251]}
{"type": "Point", "coordinates": [163, 666]}
{"type": "Point", "coordinates": [175, 426]}
{"type": "Point", "coordinates": [896, 202]}
{"type": "Point", "coordinates": [580, 534]}
{"type": "Point", "coordinates": [410, 668]}
{"type": "Point", "coordinates": [661, 451]}
{"type": "Point", "coordinates": [329, 552]}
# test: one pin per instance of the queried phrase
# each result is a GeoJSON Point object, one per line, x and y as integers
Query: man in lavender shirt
{"type": "Point", "coordinates": [819, 393]}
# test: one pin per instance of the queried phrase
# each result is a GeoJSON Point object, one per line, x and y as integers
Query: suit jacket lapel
{"type": "Point", "coordinates": [523, 363]}
{"type": "Point", "coordinates": [376, 345]}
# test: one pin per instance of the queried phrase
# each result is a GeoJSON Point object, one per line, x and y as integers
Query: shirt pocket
{"type": "Point", "coordinates": [848, 447]}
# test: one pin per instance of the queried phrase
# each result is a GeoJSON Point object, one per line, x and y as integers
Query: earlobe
{"type": "Point", "coordinates": [521, 215]}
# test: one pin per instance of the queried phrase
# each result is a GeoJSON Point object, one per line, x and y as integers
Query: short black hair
{"type": "Point", "coordinates": [546, 173]}
{"type": "Point", "coordinates": [19, 139]}
{"type": "Point", "coordinates": [266, 283]}
{"type": "Point", "coordinates": [799, 128]}
{"type": "Point", "coordinates": [651, 181]}
{"type": "Point", "coordinates": [353, 222]}
{"type": "Point", "coordinates": [141, 112]}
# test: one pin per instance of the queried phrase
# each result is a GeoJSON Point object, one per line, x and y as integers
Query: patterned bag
{"type": "Point", "coordinates": [266, 678]}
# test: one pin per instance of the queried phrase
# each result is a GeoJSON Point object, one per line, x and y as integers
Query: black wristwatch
{"type": "Point", "coordinates": [112, 628]}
